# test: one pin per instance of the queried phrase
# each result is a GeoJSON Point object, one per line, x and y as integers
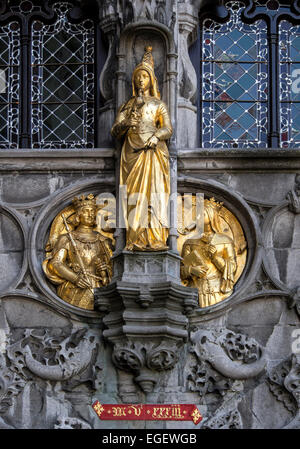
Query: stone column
{"type": "Point", "coordinates": [109, 26]}
{"type": "Point", "coordinates": [187, 77]}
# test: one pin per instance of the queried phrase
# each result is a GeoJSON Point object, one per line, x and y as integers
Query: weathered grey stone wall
{"type": "Point", "coordinates": [236, 361]}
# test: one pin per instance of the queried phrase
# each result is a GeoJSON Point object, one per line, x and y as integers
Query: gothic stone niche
{"type": "Point", "coordinates": [135, 46]}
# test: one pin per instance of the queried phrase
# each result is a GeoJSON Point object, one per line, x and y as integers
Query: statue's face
{"type": "Point", "coordinates": [87, 216]}
{"type": "Point", "coordinates": [142, 79]}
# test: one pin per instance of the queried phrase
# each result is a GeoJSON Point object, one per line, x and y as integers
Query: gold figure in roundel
{"type": "Point", "coordinates": [214, 260]}
{"type": "Point", "coordinates": [78, 253]}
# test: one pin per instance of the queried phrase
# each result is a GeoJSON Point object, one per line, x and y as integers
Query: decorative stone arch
{"type": "Point", "coordinates": [20, 227]}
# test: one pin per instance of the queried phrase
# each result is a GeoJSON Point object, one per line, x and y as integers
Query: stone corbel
{"type": "Point", "coordinates": [145, 360]}
{"type": "Point", "coordinates": [146, 314]}
{"type": "Point", "coordinates": [187, 77]}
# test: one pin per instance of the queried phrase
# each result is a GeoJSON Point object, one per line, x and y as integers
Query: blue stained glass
{"type": "Point", "coordinates": [236, 131]}
{"type": "Point", "coordinates": [9, 85]}
{"type": "Point", "coordinates": [247, 81]}
{"type": "Point", "coordinates": [246, 42]}
{"type": "Point", "coordinates": [223, 43]}
{"type": "Point", "coordinates": [63, 82]}
{"type": "Point", "coordinates": [218, 70]}
{"type": "Point", "coordinates": [238, 85]}
{"type": "Point", "coordinates": [235, 91]}
{"type": "Point", "coordinates": [236, 53]}
{"type": "Point", "coordinates": [225, 137]}
{"type": "Point", "coordinates": [289, 54]}
{"type": "Point", "coordinates": [235, 110]}
{"type": "Point", "coordinates": [253, 53]}
{"type": "Point", "coordinates": [235, 71]}
{"type": "Point", "coordinates": [247, 120]}
{"type": "Point", "coordinates": [235, 35]}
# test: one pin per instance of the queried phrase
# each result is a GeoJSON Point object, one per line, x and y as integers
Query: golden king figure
{"type": "Point", "coordinates": [78, 257]}
{"type": "Point", "coordinates": [144, 124]}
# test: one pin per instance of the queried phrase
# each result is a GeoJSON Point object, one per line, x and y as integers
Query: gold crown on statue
{"type": "Point", "coordinates": [148, 58]}
{"type": "Point", "coordinates": [213, 203]}
{"type": "Point", "coordinates": [84, 201]}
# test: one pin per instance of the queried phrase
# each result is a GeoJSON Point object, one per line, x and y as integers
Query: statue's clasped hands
{"type": "Point", "coordinates": [82, 282]}
{"type": "Point", "coordinates": [199, 271]}
{"type": "Point", "coordinates": [152, 142]}
{"type": "Point", "coordinates": [211, 250]}
{"type": "Point", "coordinates": [132, 122]}
{"type": "Point", "coordinates": [101, 268]}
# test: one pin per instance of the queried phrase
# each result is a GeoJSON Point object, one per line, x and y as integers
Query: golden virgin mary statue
{"type": "Point", "coordinates": [144, 124]}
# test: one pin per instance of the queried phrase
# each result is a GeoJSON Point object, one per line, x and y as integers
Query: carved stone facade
{"type": "Point", "coordinates": [147, 340]}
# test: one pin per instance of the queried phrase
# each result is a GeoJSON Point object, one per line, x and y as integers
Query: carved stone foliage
{"type": "Point", "coordinates": [233, 355]}
{"type": "Point", "coordinates": [71, 423]}
{"type": "Point", "coordinates": [203, 379]}
{"type": "Point", "coordinates": [240, 347]}
{"type": "Point", "coordinates": [58, 357]}
{"type": "Point", "coordinates": [284, 383]}
{"type": "Point", "coordinates": [223, 359]}
{"type": "Point", "coordinates": [228, 420]}
{"type": "Point", "coordinates": [145, 360]}
{"type": "Point", "coordinates": [11, 383]}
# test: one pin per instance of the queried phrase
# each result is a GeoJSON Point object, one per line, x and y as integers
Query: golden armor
{"type": "Point", "coordinates": [145, 125]}
{"type": "Point", "coordinates": [213, 261]}
{"type": "Point", "coordinates": [77, 255]}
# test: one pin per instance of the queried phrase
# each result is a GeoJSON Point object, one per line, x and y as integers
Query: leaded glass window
{"type": "Point", "coordinates": [9, 85]}
{"type": "Point", "coordinates": [289, 58]}
{"type": "Point", "coordinates": [234, 70]}
{"type": "Point", "coordinates": [63, 82]}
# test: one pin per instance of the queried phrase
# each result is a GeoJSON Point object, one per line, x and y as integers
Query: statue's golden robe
{"type": "Point", "coordinates": [218, 281]}
{"type": "Point", "coordinates": [146, 174]}
{"type": "Point", "coordinates": [61, 266]}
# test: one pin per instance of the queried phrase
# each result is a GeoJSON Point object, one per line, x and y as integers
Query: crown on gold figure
{"type": "Point", "coordinates": [213, 203]}
{"type": "Point", "coordinates": [148, 58]}
{"type": "Point", "coordinates": [84, 201]}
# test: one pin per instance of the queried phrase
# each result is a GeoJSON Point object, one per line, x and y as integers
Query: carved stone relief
{"type": "Point", "coordinates": [61, 358]}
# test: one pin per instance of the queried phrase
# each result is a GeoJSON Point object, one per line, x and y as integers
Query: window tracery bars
{"type": "Point", "coordinates": [289, 62]}
{"type": "Point", "coordinates": [234, 67]}
{"type": "Point", "coordinates": [9, 85]}
{"type": "Point", "coordinates": [63, 82]}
